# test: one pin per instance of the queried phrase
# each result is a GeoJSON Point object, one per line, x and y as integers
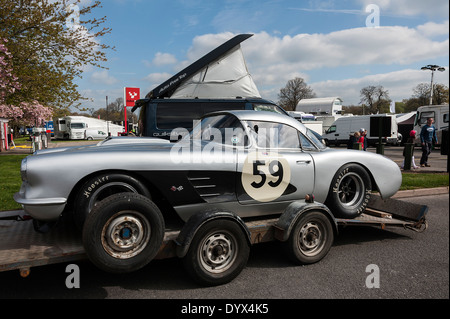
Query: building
{"type": "Point", "coordinates": [328, 106]}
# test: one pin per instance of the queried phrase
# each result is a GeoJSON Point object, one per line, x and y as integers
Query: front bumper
{"type": "Point", "coordinates": [43, 209]}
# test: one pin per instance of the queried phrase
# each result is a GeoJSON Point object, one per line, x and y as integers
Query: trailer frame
{"type": "Point", "coordinates": [22, 248]}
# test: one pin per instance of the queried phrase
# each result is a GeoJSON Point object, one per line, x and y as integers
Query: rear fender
{"type": "Point", "coordinates": [292, 213]}
{"type": "Point", "coordinates": [196, 221]}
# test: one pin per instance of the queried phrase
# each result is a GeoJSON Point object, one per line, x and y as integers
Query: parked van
{"type": "Point", "coordinates": [343, 127]}
{"type": "Point", "coordinates": [440, 115]}
{"type": "Point", "coordinates": [94, 135]}
{"type": "Point", "coordinates": [160, 117]}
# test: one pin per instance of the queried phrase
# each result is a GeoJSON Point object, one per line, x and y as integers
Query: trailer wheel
{"type": "Point", "coordinates": [98, 188]}
{"type": "Point", "coordinates": [218, 253]}
{"type": "Point", "coordinates": [123, 233]}
{"type": "Point", "coordinates": [349, 192]}
{"type": "Point", "coordinates": [310, 239]}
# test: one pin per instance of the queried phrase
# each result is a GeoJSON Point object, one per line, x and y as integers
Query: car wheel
{"type": "Point", "coordinates": [218, 253]}
{"type": "Point", "coordinates": [349, 191]}
{"type": "Point", "coordinates": [123, 233]}
{"type": "Point", "coordinates": [100, 187]}
{"type": "Point", "coordinates": [310, 239]}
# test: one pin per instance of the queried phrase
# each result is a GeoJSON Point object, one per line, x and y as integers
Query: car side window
{"type": "Point", "coordinates": [274, 135]}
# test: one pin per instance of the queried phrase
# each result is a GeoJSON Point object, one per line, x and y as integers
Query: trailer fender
{"type": "Point", "coordinates": [292, 213]}
{"type": "Point", "coordinates": [194, 223]}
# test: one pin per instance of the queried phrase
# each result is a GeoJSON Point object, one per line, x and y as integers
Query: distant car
{"type": "Point", "coordinates": [94, 135]}
{"type": "Point", "coordinates": [246, 162]}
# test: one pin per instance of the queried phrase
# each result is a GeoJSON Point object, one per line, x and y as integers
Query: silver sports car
{"type": "Point", "coordinates": [250, 163]}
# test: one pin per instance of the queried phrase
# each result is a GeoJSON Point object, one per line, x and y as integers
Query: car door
{"type": "Point", "coordinates": [275, 169]}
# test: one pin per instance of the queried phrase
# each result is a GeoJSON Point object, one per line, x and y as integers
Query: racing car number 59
{"type": "Point", "coordinates": [265, 176]}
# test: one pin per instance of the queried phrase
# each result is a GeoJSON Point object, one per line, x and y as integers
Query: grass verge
{"type": "Point", "coordinates": [10, 180]}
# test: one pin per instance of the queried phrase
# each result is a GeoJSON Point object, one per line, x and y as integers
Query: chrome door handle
{"type": "Point", "coordinates": [304, 162]}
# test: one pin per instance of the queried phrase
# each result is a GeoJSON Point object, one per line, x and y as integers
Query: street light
{"type": "Point", "coordinates": [432, 68]}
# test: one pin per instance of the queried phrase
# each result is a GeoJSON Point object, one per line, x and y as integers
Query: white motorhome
{"type": "Point", "coordinates": [344, 127]}
{"type": "Point", "coordinates": [74, 127]}
{"type": "Point", "coordinates": [309, 120]}
{"type": "Point", "coordinates": [440, 115]}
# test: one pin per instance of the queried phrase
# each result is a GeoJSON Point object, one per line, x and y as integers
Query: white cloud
{"type": "Point", "coordinates": [164, 59]}
{"type": "Point", "coordinates": [157, 78]}
{"type": "Point", "coordinates": [273, 60]}
{"type": "Point", "coordinates": [432, 29]}
{"type": "Point", "coordinates": [358, 46]}
{"type": "Point", "coordinates": [103, 77]}
{"type": "Point", "coordinates": [400, 84]}
{"type": "Point", "coordinates": [430, 8]}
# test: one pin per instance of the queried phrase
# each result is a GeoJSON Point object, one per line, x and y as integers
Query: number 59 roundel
{"type": "Point", "coordinates": [265, 176]}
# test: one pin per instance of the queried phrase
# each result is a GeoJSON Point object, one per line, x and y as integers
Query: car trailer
{"type": "Point", "coordinates": [22, 248]}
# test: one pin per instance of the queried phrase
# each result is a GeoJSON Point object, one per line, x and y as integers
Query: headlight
{"type": "Point", "coordinates": [23, 169]}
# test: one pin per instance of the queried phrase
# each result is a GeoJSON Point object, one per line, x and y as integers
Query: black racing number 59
{"type": "Point", "coordinates": [278, 173]}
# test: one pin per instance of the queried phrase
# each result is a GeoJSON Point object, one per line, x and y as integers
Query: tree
{"type": "Point", "coordinates": [26, 114]}
{"type": "Point", "coordinates": [294, 91]}
{"type": "Point", "coordinates": [422, 93]}
{"type": "Point", "coordinates": [115, 112]}
{"type": "Point", "coordinates": [8, 80]}
{"type": "Point", "coordinates": [50, 44]}
{"type": "Point", "coordinates": [375, 98]}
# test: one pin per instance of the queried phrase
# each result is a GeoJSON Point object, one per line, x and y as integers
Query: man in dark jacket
{"type": "Point", "coordinates": [427, 137]}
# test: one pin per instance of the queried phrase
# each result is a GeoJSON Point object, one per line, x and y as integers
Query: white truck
{"type": "Point", "coordinates": [74, 127]}
{"type": "Point", "coordinates": [344, 127]}
{"type": "Point", "coordinates": [440, 115]}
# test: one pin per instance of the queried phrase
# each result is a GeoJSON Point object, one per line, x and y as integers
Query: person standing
{"type": "Point", "coordinates": [410, 140]}
{"type": "Point", "coordinates": [363, 138]}
{"type": "Point", "coordinates": [427, 137]}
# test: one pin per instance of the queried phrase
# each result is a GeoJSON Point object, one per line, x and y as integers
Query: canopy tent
{"type": "Point", "coordinates": [226, 77]}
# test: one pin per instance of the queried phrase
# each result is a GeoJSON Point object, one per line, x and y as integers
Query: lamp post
{"type": "Point", "coordinates": [432, 68]}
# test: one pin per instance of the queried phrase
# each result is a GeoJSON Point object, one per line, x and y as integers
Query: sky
{"type": "Point", "coordinates": [337, 47]}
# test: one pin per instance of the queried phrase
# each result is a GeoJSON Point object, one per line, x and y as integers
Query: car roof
{"type": "Point", "coordinates": [264, 116]}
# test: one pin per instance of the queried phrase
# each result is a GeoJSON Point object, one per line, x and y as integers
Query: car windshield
{"type": "Point", "coordinates": [316, 139]}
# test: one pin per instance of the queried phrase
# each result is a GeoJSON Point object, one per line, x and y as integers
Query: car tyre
{"type": "Point", "coordinates": [100, 187]}
{"type": "Point", "coordinates": [218, 253]}
{"type": "Point", "coordinates": [310, 239]}
{"type": "Point", "coordinates": [123, 233]}
{"type": "Point", "coordinates": [349, 192]}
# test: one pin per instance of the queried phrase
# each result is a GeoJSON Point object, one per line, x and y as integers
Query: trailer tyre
{"type": "Point", "coordinates": [310, 239]}
{"type": "Point", "coordinates": [349, 192]}
{"type": "Point", "coordinates": [123, 233]}
{"type": "Point", "coordinates": [218, 253]}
